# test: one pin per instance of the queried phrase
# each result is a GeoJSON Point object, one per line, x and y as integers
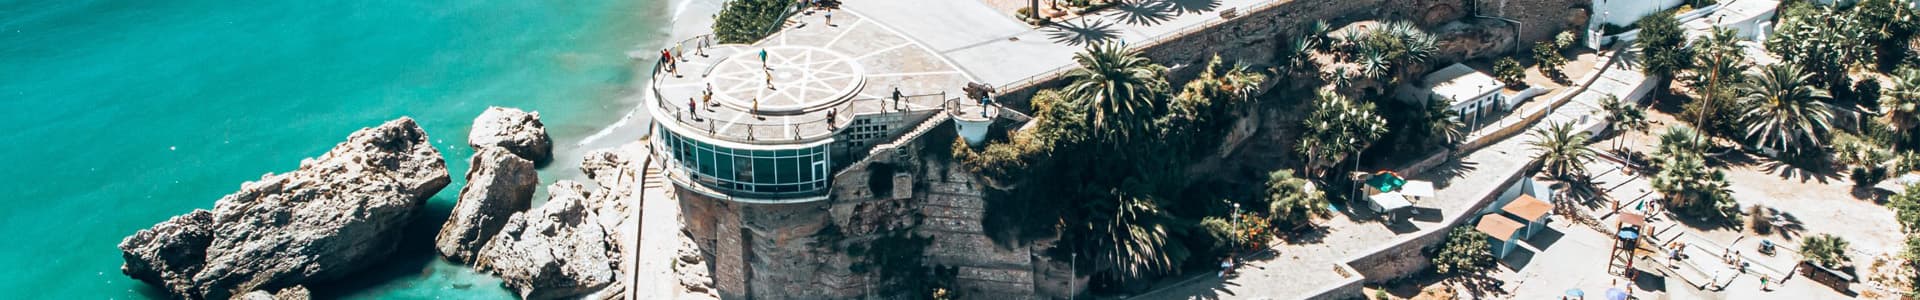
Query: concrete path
{"type": "Point", "coordinates": [1002, 51]}
{"type": "Point", "coordinates": [659, 237]}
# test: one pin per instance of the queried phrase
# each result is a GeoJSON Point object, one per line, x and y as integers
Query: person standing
{"type": "Point", "coordinates": [706, 96]}
{"type": "Point", "coordinates": [830, 17]}
{"type": "Point", "coordinates": [830, 125]}
{"type": "Point", "coordinates": [769, 80]}
{"type": "Point", "coordinates": [896, 97]}
{"type": "Point", "coordinates": [691, 111]}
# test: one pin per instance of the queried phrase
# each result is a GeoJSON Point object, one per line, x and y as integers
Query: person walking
{"type": "Point", "coordinates": [763, 59]}
{"type": "Point", "coordinates": [691, 111]}
{"type": "Point", "coordinates": [680, 52]}
{"type": "Point", "coordinates": [770, 80]}
{"type": "Point", "coordinates": [701, 48]}
{"type": "Point", "coordinates": [830, 17]}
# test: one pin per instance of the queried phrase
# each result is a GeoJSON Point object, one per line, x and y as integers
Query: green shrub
{"type": "Point", "coordinates": [748, 21]}
{"type": "Point", "coordinates": [1826, 250]}
{"type": "Point", "coordinates": [1547, 57]}
{"type": "Point", "coordinates": [1465, 251]}
{"type": "Point", "coordinates": [1510, 72]}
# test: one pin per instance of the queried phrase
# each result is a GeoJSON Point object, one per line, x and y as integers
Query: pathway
{"type": "Point", "coordinates": [983, 45]}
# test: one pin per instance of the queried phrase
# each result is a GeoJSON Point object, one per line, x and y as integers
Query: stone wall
{"type": "Point", "coordinates": [1407, 255]}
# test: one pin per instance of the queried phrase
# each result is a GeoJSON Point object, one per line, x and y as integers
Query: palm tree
{"type": "Point", "coordinates": [1563, 150]}
{"type": "Point", "coordinates": [1689, 186]}
{"type": "Point", "coordinates": [1443, 123]}
{"type": "Point", "coordinates": [1900, 103]}
{"type": "Point", "coordinates": [1783, 114]}
{"type": "Point", "coordinates": [1719, 62]}
{"type": "Point", "coordinates": [1825, 249]}
{"type": "Point", "coordinates": [1119, 85]}
{"type": "Point", "coordinates": [1337, 127]}
{"type": "Point", "coordinates": [1623, 117]}
{"type": "Point", "coordinates": [1292, 201]}
{"type": "Point", "coordinates": [1127, 239]}
{"type": "Point", "coordinates": [1680, 140]}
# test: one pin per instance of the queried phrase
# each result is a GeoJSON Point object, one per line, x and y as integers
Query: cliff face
{"type": "Point", "coordinates": [335, 215]}
{"type": "Point", "coordinates": [499, 184]}
{"type": "Point", "coordinates": [513, 129]}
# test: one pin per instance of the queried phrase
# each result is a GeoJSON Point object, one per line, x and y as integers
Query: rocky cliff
{"type": "Point", "coordinates": [336, 214]}
{"type": "Point", "coordinates": [553, 251]}
{"type": "Point", "coordinates": [513, 129]}
{"type": "Point", "coordinates": [499, 184]}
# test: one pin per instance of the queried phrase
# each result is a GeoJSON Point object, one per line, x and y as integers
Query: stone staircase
{"type": "Point", "coordinates": [931, 123]}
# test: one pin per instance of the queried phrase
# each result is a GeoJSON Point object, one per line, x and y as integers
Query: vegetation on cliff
{"type": "Point", "coordinates": [748, 21]}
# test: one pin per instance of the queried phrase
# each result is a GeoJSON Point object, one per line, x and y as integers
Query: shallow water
{"type": "Point", "coordinates": [120, 113]}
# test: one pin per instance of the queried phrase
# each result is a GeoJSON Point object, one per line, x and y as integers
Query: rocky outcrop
{"type": "Point", "coordinates": [291, 293]}
{"type": "Point", "coordinates": [498, 185]}
{"type": "Point", "coordinates": [337, 214]}
{"type": "Point", "coordinates": [518, 131]}
{"type": "Point", "coordinates": [170, 253]}
{"type": "Point", "coordinates": [553, 251]}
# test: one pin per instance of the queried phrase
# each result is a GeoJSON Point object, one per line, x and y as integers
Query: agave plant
{"type": "Point", "coordinates": [1336, 127]}
{"type": "Point", "coordinates": [1783, 114]}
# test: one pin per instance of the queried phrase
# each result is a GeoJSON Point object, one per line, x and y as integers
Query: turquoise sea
{"type": "Point", "coordinates": [121, 113]}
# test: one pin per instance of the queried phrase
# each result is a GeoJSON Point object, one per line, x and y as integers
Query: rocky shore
{"type": "Point", "coordinates": [335, 215]}
{"type": "Point", "coordinates": [343, 211]}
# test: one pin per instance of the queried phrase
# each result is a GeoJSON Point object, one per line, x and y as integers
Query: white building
{"type": "Point", "coordinates": [1625, 12]}
{"type": "Point", "coordinates": [1474, 94]}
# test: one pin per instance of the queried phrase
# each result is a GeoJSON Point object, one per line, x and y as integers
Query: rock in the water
{"type": "Point", "coordinates": [498, 185]}
{"type": "Point", "coordinates": [337, 214]}
{"type": "Point", "coordinates": [607, 168]}
{"type": "Point", "coordinates": [553, 251]}
{"type": "Point", "coordinates": [291, 293]}
{"type": "Point", "coordinates": [168, 254]}
{"type": "Point", "coordinates": [517, 131]}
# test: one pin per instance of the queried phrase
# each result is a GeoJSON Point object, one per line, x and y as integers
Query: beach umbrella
{"type": "Point", "coordinates": [1616, 294]}
{"type": "Point", "coordinates": [1576, 293]}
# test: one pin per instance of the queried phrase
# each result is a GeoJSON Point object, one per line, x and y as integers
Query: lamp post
{"type": "Point", "coordinates": [1236, 224]}
{"type": "Point", "coordinates": [1073, 275]}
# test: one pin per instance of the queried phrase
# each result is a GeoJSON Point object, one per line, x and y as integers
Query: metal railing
{"type": "Point", "coordinates": [1150, 42]}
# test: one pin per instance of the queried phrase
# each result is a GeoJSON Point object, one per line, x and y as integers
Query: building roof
{"type": "Point", "coordinates": [1418, 188]}
{"type": "Point", "coordinates": [1528, 208]}
{"type": "Point", "coordinates": [1460, 83]}
{"type": "Point", "coordinates": [1633, 219]}
{"type": "Point", "coordinates": [1390, 201]}
{"type": "Point", "coordinates": [1500, 227]}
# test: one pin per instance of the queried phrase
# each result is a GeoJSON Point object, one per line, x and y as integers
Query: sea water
{"type": "Point", "coordinates": [121, 113]}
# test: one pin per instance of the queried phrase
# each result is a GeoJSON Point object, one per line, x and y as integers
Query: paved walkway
{"type": "Point", "coordinates": [1002, 51]}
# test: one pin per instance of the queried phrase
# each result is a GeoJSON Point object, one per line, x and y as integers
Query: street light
{"type": "Point", "coordinates": [1236, 224]}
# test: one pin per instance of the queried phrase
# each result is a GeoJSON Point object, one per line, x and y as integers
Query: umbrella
{"type": "Point", "coordinates": [1576, 293]}
{"type": "Point", "coordinates": [1616, 294]}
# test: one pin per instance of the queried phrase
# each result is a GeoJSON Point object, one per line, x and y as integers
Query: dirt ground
{"type": "Point", "coordinates": [1813, 201]}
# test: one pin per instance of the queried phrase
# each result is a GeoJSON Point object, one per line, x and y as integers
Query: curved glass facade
{"type": "Point", "coordinates": [751, 173]}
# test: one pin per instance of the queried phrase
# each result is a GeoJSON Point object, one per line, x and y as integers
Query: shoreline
{"type": "Point", "coordinates": [689, 18]}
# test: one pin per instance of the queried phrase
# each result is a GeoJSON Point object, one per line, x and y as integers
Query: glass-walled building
{"type": "Point", "coordinates": [755, 173]}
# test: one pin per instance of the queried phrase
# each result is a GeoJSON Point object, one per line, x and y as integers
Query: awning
{"type": "Point", "coordinates": [1390, 201]}
{"type": "Point", "coordinates": [1528, 208]}
{"type": "Point", "coordinates": [1633, 219]}
{"type": "Point", "coordinates": [1498, 226]}
{"type": "Point", "coordinates": [1386, 181]}
{"type": "Point", "coordinates": [1418, 188]}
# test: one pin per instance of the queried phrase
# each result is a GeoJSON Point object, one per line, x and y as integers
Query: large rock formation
{"type": "Point", "coordinates": [517, 131]}
{"type": "Point", "coordinates": [554, 251]}
{"type": "Point", "coordinates": [335, 215]}
{"type": "Point", "coordinates": [498, 185]}
{"type": "Point", "coordinates": [170, 253]}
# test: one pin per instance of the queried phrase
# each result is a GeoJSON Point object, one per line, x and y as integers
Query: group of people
{"type": "Point", "coordinates": [672, 57]}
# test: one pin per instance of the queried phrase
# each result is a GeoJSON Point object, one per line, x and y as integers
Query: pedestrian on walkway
{"type": "Point", "coordinates": [1226, 266]}
{"type": "Point", "coordinates": [680, 52]}
{"type": "Point", "coordinates": [763, 59]}
{"type": "Point", "coordinates": [691, 111]}
{"type": "Point", "coordinates": [770, 80]}
{"type": "Point", "coordinates": [667, 58]}
{"type": "Point", "coordinates": [830, 17]}
{"type": "Point", "coordinates": [896, 97]}
{"type": "Point", "coordinates": [701, 49]}
{"type": "Point", "coordinates": [1763, 284]}
{"type": "Point", "coordinates": [706, 96]}
{"type": "Point", "coordinates": [830, 123]}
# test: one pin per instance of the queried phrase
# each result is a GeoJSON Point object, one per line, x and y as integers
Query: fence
{"type": "Point", "coordinates": [1189, 29]}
